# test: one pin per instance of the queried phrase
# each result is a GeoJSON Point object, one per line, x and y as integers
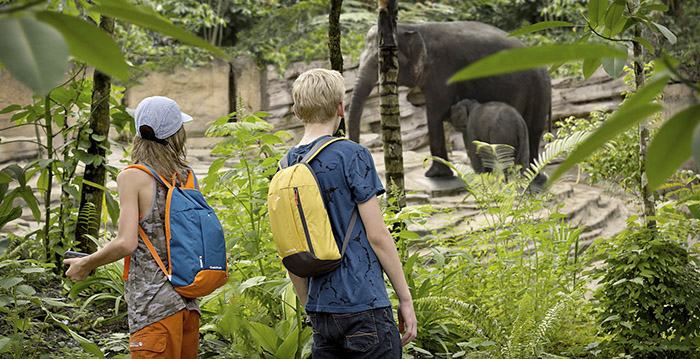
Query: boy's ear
{"type": "Point", "coordinates": [294, 108]}
{"type": "Point", "coordinates": [341, 109]}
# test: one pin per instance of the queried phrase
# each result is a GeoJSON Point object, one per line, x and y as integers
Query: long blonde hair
{"type": "Point", "coordinates": [166, 159]}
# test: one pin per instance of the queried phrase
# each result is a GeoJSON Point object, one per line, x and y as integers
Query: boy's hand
{"type": "Point", "coordinates": [408, 325]}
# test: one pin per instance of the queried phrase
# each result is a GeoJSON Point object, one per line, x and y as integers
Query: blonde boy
{"type": "Point", "coordinates": [349, 308]}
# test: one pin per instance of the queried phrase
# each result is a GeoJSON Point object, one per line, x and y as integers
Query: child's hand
{"type": "Point", "coordinates": [77, 269]}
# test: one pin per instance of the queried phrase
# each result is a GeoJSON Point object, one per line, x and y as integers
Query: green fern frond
{"type": "Point", "coordinates": [553, 150]}
{"type": "Point", "coordinates": [485, 324]}
{"type": "Point", "coordinates": [87, 218]}
{"type": "Point", "coordinates": [497, 157]}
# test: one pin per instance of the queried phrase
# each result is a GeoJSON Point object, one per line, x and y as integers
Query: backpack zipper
{"type": "Point", "coordinates": [303, 220]}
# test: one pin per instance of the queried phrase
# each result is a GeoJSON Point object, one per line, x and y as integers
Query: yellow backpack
{"type": "Point", "coordinates": [299, 219]}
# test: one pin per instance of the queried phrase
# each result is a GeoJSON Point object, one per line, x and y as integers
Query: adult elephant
{"type": "Point", "coordinates": [429, 54]}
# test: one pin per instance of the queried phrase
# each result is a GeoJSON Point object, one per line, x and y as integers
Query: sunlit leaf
{"type": "Point", "coordinates": [671, 146]}
{"type": "Point", "coordinates": [596, 11]}
{"type": "Point", "coordinates": [613, 18]}
{"type": "Point", "coordinates": [35, 53]}
{"type": "Point", "coordinates": [89, 43]}
{"type": "Point", "coordinates": [264, 336]}
{"type": "Point", "coordinates": [525, 58]}
{"type": "Point", "coordinates": [654, 7]}
{"type": "Point", "coordinates": [670, 36]}
{"type": "Point", "coordinates": [544, 25]}
{"type": "Point", "coordinates": [590, 64]}
{"type": "Point", "coordinates": [127, 12]}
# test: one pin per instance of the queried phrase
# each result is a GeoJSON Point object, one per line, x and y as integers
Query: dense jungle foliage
{"type": "Point", "coordinates": [521, 285]}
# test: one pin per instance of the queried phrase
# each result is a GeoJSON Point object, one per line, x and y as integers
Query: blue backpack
{"type": "Point", "coordinates": [196, 248]}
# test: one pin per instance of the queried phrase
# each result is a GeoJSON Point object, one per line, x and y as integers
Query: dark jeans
{"type": "Point", "coordinates": [370, 334]}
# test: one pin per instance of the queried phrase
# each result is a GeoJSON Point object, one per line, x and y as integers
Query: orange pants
{"type": "Point", "coordinates": [176, 336]}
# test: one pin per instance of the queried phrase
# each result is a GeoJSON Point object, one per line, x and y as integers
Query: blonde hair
{"type": "Point", "coordinates": [317, 94]}
{"type": "Point", "coordinates": [166, 159]}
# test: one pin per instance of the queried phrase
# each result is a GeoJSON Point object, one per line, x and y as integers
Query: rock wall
{"type": "Point", "coordinates": [211, 92]}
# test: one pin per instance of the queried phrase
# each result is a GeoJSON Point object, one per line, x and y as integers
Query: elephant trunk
{"type": "Point", "coordinates": [366, 79]}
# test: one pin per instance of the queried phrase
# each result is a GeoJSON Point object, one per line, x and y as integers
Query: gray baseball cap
{"type": "Point", "coordinates": [161, 114]}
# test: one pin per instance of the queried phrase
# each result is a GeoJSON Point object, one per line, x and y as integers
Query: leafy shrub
{"type": "Point", "coordinates": [650, 298]}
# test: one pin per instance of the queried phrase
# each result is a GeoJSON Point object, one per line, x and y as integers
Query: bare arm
{"type": "Point", "coordinates": [129, 183]}
{"type": "Point", "coordinates": [383, 245]}
{"type": "Point", "coordinates": [301, 286]}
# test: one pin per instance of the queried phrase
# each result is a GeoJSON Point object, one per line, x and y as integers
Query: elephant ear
{"type": "Point", "coordinates": [416, 53]}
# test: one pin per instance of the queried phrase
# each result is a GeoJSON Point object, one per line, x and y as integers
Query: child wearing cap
{"type": "Point", "coordinates": [162, 323]}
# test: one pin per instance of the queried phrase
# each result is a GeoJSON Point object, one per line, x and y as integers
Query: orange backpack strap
{"type": "Point", "coordinates": [151, 172]}
{"type": "Point", "coordinates": [127, 261]}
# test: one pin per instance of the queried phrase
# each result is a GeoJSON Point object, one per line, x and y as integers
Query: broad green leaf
{"type": "Point", "coordinates": [9, 282]}
{"type": "Point", "coordinates": [654, 7]}
{"type": "Point", "coordinates": [613, 18]}
{"type": "Point", "coordinates": [89, 43]}
{"type": "Point", "coordinates": [31, 201]}
{"type": "Point", "coordinates": [645, 94]}
{"type": "Point", "coordinates": [288, 348]}
{"type": "Point", "coordinates": [544, 25]}
{"type": "Point", "coordinates": [614, 66]}
{"type": "Point", "coordinates": [673, 144]}
{"type": "Point", "coordinates": [644, 43]}
{"type": "Point", "coordinates": [634, 109]}
{"type": "Point", "coordinates": [525, 58]}
{"type": "Point", "coordinates": [596, 11]}
{"type": "Point", "coordinates": [670, 36]}
{"type": "Point", "coordinates": [33, 270]}
{"type": "Point", "coordinates": [616, 124]}
{"type": "Point", "coordinates": [25, 290]}
{"type": "Point", "coordinates": [264, 336]}
{"type": "Point", "coordinates": [10, 108]}
{"type": "Point", "coordinates": [590, 64]}
{"type": "Point", "coordinates": [5, 177]}
{"type": "Point", "coordinates": [137, 16]}
{"type": "Point", "coordinates": [4, 343]}
{"type": "Point", "coordinates": [35, 53]}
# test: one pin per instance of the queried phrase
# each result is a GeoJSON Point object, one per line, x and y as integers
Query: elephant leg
{"type": "Point", "coordinates": [438, 148]}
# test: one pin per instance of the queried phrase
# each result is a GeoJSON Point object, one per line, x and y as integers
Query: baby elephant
{"type": "Point", "coordinates": [492, 122]}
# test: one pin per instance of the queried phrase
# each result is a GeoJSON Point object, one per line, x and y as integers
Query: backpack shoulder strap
{"type": "Point", "coordinates": [346, 240]}
{"type": "Point", "coordinates": [151, 172]}
{"type": "Point", "coordinates": [320, 145]}
{"type": "Point", "coordinates": [191, 179]}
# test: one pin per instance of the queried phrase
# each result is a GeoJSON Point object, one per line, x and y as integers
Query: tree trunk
{"type": "Point", "coordinates": [92, 192]}
{"type": "Point", "coordinates": [647, 196]}
{"type": "Point", "coordinates": [389, 101]}
{"type": "Point", "coordinates": [334, 51]}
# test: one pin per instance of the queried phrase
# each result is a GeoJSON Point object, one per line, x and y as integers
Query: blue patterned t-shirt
{"type": "Point", "coordinates": [347, 176]}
